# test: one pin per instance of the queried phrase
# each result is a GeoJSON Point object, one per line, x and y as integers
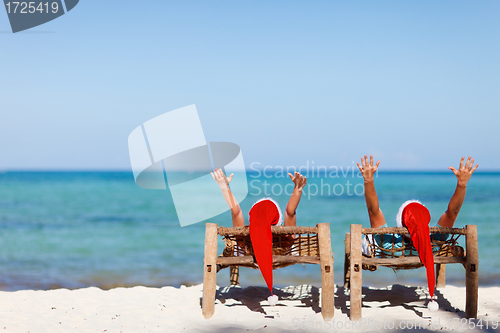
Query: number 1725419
{"type": "Point", "coordinates": [31, 7]}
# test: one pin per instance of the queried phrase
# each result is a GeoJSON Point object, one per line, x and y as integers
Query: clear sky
{"type": "Point", "coordinates": [416, 83]}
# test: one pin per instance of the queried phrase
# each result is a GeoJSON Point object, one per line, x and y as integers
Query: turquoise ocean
{"type": "Point", "coordinates": [79, 229]}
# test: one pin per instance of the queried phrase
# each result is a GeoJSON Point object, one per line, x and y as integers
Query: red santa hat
{"type": "Point", "coordinates": [263, 214]}
{"type": "Point", "coordinates": [415, 217]}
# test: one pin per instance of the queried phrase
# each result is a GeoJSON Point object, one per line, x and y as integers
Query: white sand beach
{"type": "Point", "coordinates": [169, 309]}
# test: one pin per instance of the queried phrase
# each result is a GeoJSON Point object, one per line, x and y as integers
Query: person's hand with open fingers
{"type": "Point", "coordinates": [464, 172]}
{"type": "Point", "coordinates": [299, 180]}
{"type": "Point", "coordinates": [236, 214]}
{"type": "Point", "coordinates": [367, 168]}
{"type": "Point", "coordinates": [463, 175]}
{"type": "Point", "coordinates": [220, 177]}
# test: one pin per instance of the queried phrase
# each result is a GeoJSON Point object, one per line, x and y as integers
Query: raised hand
{"type": "Point", "coordinates": [299, 180]}
{"type": "Point", "coordinates": [291, 207]}
{"type": "Point", "coordinates": [464, 172]}
{"type": "Point", "coordinates": [367, 168]}
{"type": "Point", "coordinates": [463, 175]}
{"type": "Point", "coordinates": [236, 215]}
{"type": "Point", "coordinates": [221, 179]}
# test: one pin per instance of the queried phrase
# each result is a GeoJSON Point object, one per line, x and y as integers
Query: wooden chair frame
{"type": "Point", "coordinates": [324, 258]}
{"type": "Point", "coordinates": [355, 262]}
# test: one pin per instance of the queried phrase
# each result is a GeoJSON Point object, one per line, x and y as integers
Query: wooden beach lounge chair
{"type": "Point", "coordinates": [406, 257]}
{"type": "Point", "coordinates": [311, 245]}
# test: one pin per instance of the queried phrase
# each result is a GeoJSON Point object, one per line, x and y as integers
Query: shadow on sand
{"type": "Point", "coordinates": [397, 295]}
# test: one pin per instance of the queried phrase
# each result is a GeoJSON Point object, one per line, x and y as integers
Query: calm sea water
{"type": "Point", "coordinates": [79, 229]}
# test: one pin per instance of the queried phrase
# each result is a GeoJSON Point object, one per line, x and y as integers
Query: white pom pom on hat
{"type": "Point", "coordinates": [273, 300]}
{"type": "Point", "coordinates": [433, 306]}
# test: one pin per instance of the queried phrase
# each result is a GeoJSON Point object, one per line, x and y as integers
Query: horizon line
{"type": "Point", "coordinates": [3, 171]}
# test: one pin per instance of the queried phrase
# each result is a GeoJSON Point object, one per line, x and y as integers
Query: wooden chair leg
{"type": "Point", "coordinates": [356, 272]}
{"type": "Point", "coordinates": [234, 275]}
{"type": "Point", "coordinates": [326, 262]}
{"type": "Point", "coordinates": [440, 275]}
{"type": "Point", "coordinates": [347, 261]}
{"type": "Point", "coordinates": [209, 271]}
{"type": "Point", "coordinates": [471, 272]}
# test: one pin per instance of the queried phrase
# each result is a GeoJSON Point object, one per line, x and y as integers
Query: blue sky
{"type": "Point", "coordinates": [413, 82]}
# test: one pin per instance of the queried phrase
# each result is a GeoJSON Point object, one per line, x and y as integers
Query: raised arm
{"type": "Point", "coordinates": [223, 182]}
{"type": "Point", "coordinates": [463, 175]}
{"type": "Point", "coordinates": [375, 214]}
{"type": "Point", "coordinates": [291, 207]}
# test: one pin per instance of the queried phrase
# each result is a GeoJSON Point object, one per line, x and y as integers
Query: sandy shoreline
{"type": "Point", "coordinates": [169, 309]}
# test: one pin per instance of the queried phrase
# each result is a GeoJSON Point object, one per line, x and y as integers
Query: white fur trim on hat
{"type": "Point", "coordinates": [280, 221]}
{"type": "Point", "coordinates": [400, 212]}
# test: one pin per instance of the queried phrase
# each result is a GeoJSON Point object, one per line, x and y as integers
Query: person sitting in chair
{"type": "Point", "coordinates": [414, 216]}
{"type": "Point", "coordinates": [263, 214]}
